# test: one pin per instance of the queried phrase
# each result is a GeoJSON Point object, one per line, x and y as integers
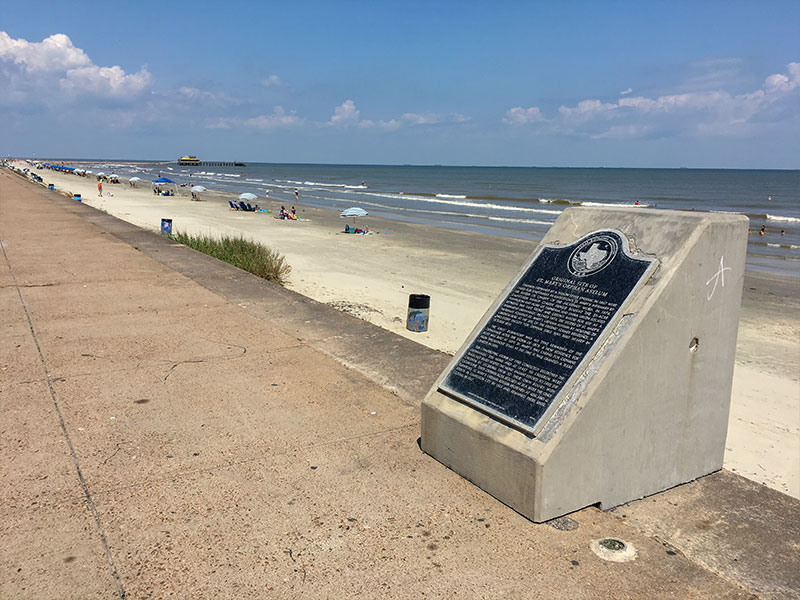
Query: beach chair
{"type": "Point", "coordinates": [233, 204]}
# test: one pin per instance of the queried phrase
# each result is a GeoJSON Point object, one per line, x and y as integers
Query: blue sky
{"type": "Point", "coordinates": [636, 84]}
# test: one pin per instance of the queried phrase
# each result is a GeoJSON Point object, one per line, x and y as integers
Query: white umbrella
{"type": "Point", "coordinates": [113, 175]}
{"type": "Point", "coordinates": [248, 196]}
{"type": "Point", "coordinates": [354, 211]}
{"type": "Point", "coordinates": [198, 188]}
{"type": "Point", "coordinates": [101, 174]}
{"type": "Point", "coordinates": [135, 179]}
{"type": "Point", "coordinates": [90, 172]}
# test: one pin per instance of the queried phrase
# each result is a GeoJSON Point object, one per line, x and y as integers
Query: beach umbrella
{"type": "Point", "coordinates": [113, 175]}
{"type": "Point", "coordinates": [90, 172]}
{"type": "Point", "coordinates": [163, 180]}
{"type": "Point", "coordinates": [354, 211]}
{"type": "Point", "coordinates": [101, 174]}
{"type": "Point", "coordinates": [248, 196]}
{"type": "Point", "coordinates": [198, 188]}
{"type": "Point", "coordinates": [134, 179]}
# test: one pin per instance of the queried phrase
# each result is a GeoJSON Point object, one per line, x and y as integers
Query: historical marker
{"type": "Point", "coordinates": [603, 371]}
{"type": "Point", "coordinates": [544, 329]}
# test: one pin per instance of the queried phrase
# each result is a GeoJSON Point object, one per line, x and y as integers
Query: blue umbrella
{"type": "Point", "coordinates": [162, 180]}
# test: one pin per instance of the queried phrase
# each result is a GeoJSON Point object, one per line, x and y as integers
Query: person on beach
{"type": "Point", "coordinates": [100, 188]}
{"type": "Point", "coordinates": [266, 194]}
{"type": "Point", "coordinates": [294, 212]}
{"type": "Point", "coordinates": [762, 231]}
{"type": "Point", "coordinates": [297, 196]}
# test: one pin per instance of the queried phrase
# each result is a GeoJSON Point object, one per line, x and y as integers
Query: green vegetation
{"type": "Point", "coordinates": [248, 255]}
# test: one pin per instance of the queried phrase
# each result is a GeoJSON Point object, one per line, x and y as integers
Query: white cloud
{"type": "Point", "coordinates": [271, 81]}
{"type": "Point", "coordinates": [426, 119]}
{"type": "Point", "coordinates": [55, 53]}
{"type": "Point", "coordinates": [29, 70]}
{"type": "Point", "coordinates": [345, 114]}
{"type": "Point", "coordinates": [278, 118]}
{"type": "Point", "coordinates": [390, 125]}
{"type": "Point", "coordinates": [433, 118]}
{"type": "Point", "coordinates": [714, 112]}
{"type": "Point", "coordinates": [223, 123]}
{"type": "Point", "coordinates": [585, 110]}
{"type": "Point", "coordinates": [193, 93]}
{"type": "Point", "coordinates": [105, 81]}
{"type": "Point", "coordinates": [625, 92]}
{"type": "Point", "coordinates": [522, 116]}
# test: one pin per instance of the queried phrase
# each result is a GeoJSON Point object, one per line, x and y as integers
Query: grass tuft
{"type": "Point", "coordinates": [250, 256]}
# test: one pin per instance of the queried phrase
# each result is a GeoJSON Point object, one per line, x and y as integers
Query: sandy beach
{"type": "Point", "coordinates": [371, 276]}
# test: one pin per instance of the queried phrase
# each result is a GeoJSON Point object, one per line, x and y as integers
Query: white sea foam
{"type": "Point", "coordinates": [249, 179]}
{"type": "Point", "coordinates": [322, 184]}
{"type": "Point", "coordinates": [531, 221]}
{"type": "Point", "coordinates": [467, 203]}
{"type": "Point", "coordinates": [780, 218]}
{"type": "Point", "coordinates": [456, 197]}
{"type": "Point", "coordinates": [443, 213]}
{"type": "Point", "coordinates": [785, 246]}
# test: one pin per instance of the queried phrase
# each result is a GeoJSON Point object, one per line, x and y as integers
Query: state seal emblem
{"type": "Point", "coordinates": [593, 255]}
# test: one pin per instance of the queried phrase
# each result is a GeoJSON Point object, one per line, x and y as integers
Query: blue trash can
{"type": "Point", "coordinates": [166, 226]}
{"type": "Point", "coordinates": [50, 186]}
{"type": "Point", "coordinates": [77, 197]}
{"type": "Point", "coordinates": [418, 307]}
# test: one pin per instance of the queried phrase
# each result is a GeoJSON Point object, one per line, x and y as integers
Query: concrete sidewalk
{"type": "Point", "coordinates": [174, 427]}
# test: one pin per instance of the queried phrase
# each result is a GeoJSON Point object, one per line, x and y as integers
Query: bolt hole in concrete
{"type": "Point", "coordinates": [613, 550]}
{"type": "Point", "coordinates": [694, 345]}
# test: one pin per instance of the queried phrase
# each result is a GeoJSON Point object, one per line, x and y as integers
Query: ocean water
{"type": "Point", "coordinates": [516, 202]}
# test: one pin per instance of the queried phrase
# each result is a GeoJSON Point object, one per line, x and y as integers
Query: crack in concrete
{"type": "Point", "coordinates": [87, 495]}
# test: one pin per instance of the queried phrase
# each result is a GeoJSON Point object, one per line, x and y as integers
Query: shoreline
{"type": "Point", "coordinates": [490, 206]}
{"type": "Point", "coordinates": [371, 277]}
